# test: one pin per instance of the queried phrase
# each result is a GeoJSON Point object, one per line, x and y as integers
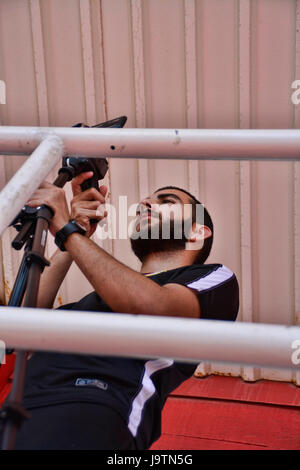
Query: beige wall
{"type": "Point", "coordinates": [173, 63]}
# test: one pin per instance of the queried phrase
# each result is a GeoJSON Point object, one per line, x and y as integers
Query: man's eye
{"type": "Point", "coordinates": [168, 201]}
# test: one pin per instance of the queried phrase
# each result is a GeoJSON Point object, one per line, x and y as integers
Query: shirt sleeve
{"type": "Point", "coordinates": [217, 291]}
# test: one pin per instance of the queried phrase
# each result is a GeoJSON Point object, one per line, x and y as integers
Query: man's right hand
{"type": "Point", "coordinates": [87, 205]}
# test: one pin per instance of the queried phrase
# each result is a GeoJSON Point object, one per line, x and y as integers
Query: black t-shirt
{"type": "Point", "coordinates": [136, 388]}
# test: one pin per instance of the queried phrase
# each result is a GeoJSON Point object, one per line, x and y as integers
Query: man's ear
{"type": "Point", "coordinates": [197, 236]}
{"type": "Point", "coordinates": [199, 232]}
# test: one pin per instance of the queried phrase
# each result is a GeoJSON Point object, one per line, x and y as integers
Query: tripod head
{"type": "Point", "coordinates": [99, 166]}
{"type": "Point", "coordinates": [74, 166]}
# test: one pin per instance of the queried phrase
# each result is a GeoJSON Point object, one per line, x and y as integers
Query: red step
{"type": "Point", "coordinates": [227, 413]}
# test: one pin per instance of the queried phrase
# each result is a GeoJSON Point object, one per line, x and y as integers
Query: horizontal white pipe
{"type": "Point", "coordinates": [229, 144]}
{"type": "Point", "coordinates": [36, 168]}
{"type": "Point", "coordinates": [149, 336]}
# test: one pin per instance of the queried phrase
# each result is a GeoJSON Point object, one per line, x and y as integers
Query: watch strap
{"type": "Point", "coordinates": [62, 234]}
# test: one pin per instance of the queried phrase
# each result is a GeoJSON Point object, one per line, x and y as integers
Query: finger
{"type": "Point", "coordinates": [79, 210]}
{"type": "Point", "coordinates": [101, 212]}
{"type": "Point", "coordinates": [103, 189]}
{"type": "Point", "coordinates": [85, 205]}
{"type": "Point", "coordinates": [92, 214]}
{"type": "Point", "coordinates": [78, 180]}
{"type": "Point", "coordinates": [90, 195]}
{"type": "Point", "coordinates": [46, 185]}
{"type": "Point", "coordinates": [38, 194]}
{"type": "Point", "coordinates": [34, 203]}
{"type": "Point", "coordinates": [36, 199]}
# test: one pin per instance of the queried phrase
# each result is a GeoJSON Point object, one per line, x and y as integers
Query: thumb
{"type": "Point", "coordinates": [103, 189]}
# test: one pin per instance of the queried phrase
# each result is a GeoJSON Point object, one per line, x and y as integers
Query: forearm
{"type": "Point", "coordinates": [122, 288]}
{"type": "Point", "coordinates": [52, 278]}
{"type": "Point", "coordinates": [84, 207]}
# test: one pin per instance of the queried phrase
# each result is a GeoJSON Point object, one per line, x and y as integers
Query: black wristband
{"type": "Point", "coordinates": [62, 234]}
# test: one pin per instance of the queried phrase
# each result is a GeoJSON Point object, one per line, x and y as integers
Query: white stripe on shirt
{"type": "Point", "coordinates": [147, 390]}
{"type": "Point", "coordinates": [211, 280]}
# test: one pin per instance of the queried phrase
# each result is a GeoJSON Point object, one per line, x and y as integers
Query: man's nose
{"type": "Point", "coordinates": [147, 202]}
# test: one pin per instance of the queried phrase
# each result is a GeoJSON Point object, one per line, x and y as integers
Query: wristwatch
{"type": "Point", "coordinates": [62, 234]}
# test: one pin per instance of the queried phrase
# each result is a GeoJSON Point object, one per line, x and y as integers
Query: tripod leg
{"type": "Point", "coordinates": [36, 257]}
{"type": "Point", "coordinates": [14, 413]}
{"type": "Point", "coordinates": [19, 288]}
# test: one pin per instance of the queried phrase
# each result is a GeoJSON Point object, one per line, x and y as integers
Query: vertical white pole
{"type": "Point", "coordinates": [139, 87]}
{"type": "Point", "coordinates": [297, 190]}
{"type": "Point", "coordinates": [248, 373]}
{"type": "Point", "coordinates": [39, 62]}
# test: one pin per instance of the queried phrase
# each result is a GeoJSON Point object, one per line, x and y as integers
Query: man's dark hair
{"type": "Point", "coordinates": [205, 250]}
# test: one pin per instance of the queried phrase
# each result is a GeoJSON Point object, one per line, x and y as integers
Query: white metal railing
{"type": "Point", "coordinates": [228, 144]}
{"type": "Point", "coordinates": [28, 178]}
{"type": "Point", "coordinates": [131, 335]}
{"type": "Point", "coordinates": [184, 339]}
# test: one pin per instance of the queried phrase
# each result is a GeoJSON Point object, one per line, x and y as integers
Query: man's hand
{"type": "Point", "coordinates": [61, 261]}
{"type": "Point", "coordinates": [87, 205]}
{"type": "Point", "coordinates": [55, 198]}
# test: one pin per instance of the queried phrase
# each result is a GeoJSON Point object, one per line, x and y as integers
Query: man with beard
{"type": "Point", "coordinates": [113, 403]}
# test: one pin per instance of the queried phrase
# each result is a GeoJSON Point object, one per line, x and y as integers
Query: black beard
{"type": "Point", "coordinates": [142, 246]}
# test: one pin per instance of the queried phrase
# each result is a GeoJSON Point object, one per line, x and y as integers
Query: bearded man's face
{"type": "Point", "coordinates": [162, 223]}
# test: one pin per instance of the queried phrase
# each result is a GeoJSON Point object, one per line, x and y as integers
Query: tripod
{"type": "Point", "coordinates": [32, 224]}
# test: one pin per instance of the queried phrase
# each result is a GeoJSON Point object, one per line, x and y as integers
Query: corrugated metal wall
{"type": "Point", "coordinates": [166, 64]}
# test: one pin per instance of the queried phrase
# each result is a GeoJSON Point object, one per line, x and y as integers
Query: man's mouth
{"type": "Point", "coordinates": [147, 215]}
